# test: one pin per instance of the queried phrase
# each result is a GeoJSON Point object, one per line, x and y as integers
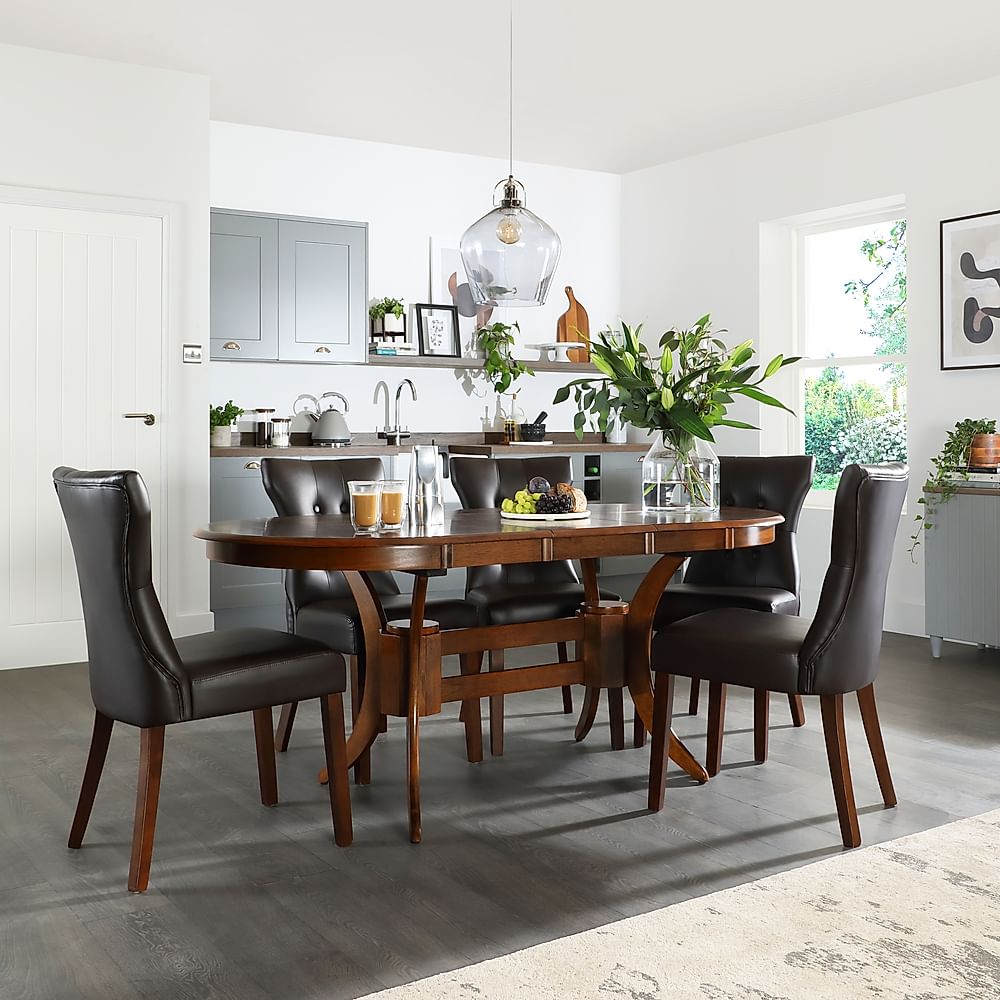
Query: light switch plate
{"type": "Point", "coordinates": [192, 354]}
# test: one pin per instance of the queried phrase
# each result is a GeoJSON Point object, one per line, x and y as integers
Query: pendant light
{"type": "Point", "coordinates": [510, 254]}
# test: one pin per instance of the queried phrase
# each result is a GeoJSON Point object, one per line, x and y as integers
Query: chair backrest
{"type": "Point", "coordinates": [486, 482]}
{"type": "Point", "coordinates": [780, 484]}
{"type": "Point", "coordinates": [135, 674]}
{"type": "Point", "coordinates": [841, 650]}
{"type": "Point", "coordinates": [302, 488]}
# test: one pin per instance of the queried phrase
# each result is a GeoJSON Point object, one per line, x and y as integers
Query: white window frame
{"type": "Point", "coordinates": [824, 498]}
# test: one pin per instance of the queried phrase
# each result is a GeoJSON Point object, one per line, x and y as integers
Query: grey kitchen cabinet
{"type": "Point", "coordinates": [322, 291]}
{"type": "Point", "coordinates": [962, 569]}
{"type": "Point", "coordinates": [244, 285]}
{"type": "Point", "coordinates": [288, 289]}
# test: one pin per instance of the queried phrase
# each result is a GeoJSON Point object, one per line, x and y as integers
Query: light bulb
{"type": "Point", "coordinates": [508, 229]}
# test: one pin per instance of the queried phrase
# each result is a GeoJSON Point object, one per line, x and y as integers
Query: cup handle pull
{"type": "Point", "coordinates": [252, 465]}
{"type": "Point", "coordinates": [231, 345]}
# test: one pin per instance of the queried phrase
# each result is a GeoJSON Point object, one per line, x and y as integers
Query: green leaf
{"type": "Point", "coordinates": [742, 425]}
{"type": "Point", "coordinates": [761, 397]}
{"type": "Point", "coordinates": [561, 395]}
{"type": "Point", "coordinates": [773, 365]}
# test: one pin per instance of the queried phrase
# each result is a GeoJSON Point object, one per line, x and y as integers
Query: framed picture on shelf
{"type": "Point", "coordinates": [437, 328]}
{"type": "Point", "coordinates": [970, 292]}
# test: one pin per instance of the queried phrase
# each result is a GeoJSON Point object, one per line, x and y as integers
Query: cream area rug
{"type": "Point", "coordinates": [913, 919]}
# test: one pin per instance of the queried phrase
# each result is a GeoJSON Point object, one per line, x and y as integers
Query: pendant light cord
{"type": "Point", "coordinates": [510, 89]}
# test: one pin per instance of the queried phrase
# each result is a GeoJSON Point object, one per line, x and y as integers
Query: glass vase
{"type": "Point", "coordinates": [680, 473]}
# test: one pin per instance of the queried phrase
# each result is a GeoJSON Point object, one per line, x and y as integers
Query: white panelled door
{"type": "Point", "coordinates": [80, 347]}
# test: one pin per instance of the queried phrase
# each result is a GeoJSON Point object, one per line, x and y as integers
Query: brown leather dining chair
{"type": "Point", "coordinates": [833, 654]}
{"type": "Point", "coordinates": [319, 602]}
{"type": "Point", "coordinates": [142, 677]}
{"type": "Point", "coordinates": [761, 578]}
{"type": "Point", "coordinates": [525, 592]}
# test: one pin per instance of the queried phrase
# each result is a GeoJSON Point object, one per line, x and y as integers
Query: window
{"type": "Point", "coordinates": [851, 334]}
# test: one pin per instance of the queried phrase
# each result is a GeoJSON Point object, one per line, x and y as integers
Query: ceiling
{"type": "Point", "coordinates": [605, 85]}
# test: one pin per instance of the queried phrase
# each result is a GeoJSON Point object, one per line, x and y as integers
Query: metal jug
{"type": "Point", "coordinates": [332, 428]}
{"type": "Point", "coordinates": [426, 487]}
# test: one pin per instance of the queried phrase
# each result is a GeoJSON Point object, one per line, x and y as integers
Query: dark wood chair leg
{"type": "Point", "coordinates": [335, 745]}
{"type": "Point", "coordinates": [832, 709]}
{"type": "Point", "coordinates": [716, 722]}
{"type": "Point", "coordinates": [496, 707]}
{"type": "Point", "coordinates": [472, 663]}
{"type": "Point", "coordinates": [616, 717]}
{"type": "Point", "coordinates": [663, 700]}
{"type": "Point", "coordinates": [567, 691]}
{"type": "Point", "coordinates": [798, 712]}
{"type": "Point", "coordinates": [285, 721]}
{"type": "Point", "coordinates": [146, 800]}
{"type": "Point", "coordinates": [869, 716]}
{"type": "Point", "coordinates": [263, 729]}
{"type": "Point", "coordinates": [91, 777]}
{"type": "Point", "coordinates": [591, 700]}
{"type": "Point", "coordinates": [638, 731]}
{"type": "Point", "coordinates": [695, 695]}
{"type": "Point", "coordinates": [363, 765]}
{"type": "Point", "coordinates": [761, 709]}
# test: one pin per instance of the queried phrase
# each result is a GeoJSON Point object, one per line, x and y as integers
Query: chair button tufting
{"type": "Point", "coordinates": [315, 508]}
{"type": "Point", "coordinates": [345, 507]}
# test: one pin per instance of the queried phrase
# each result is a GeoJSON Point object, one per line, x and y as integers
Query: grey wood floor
{"type": "Point", "coordinates": [247, 902]}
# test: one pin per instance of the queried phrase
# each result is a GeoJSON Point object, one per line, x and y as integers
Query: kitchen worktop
{"type": "Point", "coordinates": [564, 443]}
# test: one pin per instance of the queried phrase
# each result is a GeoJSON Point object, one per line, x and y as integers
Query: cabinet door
{"type": "Point", "coordinates": [244, 275]}
{"type": "Point", "coordinates": [237, 492]}
{"type": "Point", "coordinates": [322, 291]}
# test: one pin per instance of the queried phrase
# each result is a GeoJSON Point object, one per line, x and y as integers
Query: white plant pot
{"type": "Point", "coordinates": [222, 437]}
{"type": "Point", "coordinates": [392, 323]}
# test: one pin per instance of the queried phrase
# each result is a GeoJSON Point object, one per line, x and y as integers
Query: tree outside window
{"type": "Point", "coordinates": [853, 337]}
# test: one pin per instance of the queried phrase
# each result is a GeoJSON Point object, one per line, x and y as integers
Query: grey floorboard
{"type": "Point", "coordinates": [553, 838]}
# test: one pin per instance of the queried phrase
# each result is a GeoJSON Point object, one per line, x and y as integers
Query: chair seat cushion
{"type": "Point", "coordinates": [682, 600]}
{"type": "Point", "coordinates": [516, 603]}
{"type": "Point", "coordinates": [337, 624]}
{"type": "Point", "coordinates": [736, 646]}
{"type": "Point", "coordinates": [237, 670]}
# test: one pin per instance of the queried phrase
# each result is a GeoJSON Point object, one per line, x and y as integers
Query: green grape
{"type": "Point", "coordinates": [507, 506]}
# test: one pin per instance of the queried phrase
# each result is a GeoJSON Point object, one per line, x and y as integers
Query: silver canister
{"type": "Point", "coordinates": [426, 486]}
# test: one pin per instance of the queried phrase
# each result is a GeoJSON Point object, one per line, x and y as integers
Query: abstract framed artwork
{"type": "Point", "coordinates": [970, 292]}
{"type": "Point", "coordinates": [449, 284]}
{"type": "Point", "coordinates": [437, 328]}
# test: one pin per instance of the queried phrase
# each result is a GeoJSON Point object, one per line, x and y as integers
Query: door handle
{"type": "Point", "coordinates": [252, 465]}
{"type": "Point", "coordinates": [322, 350]}
{"type": "Point", "coordinates": [231, 345]}
{"type": "Point", "coordinates": [147, 418]}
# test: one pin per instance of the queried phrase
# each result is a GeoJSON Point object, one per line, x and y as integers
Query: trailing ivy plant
{"type": "Point", "coordinates": [950, 462]}
{"type": "Point", "coordinates": [497, 341]}
{"type": "Point", "coordinates": [378, 310]}
{"type": "Point", "coordinates": [223, 416]}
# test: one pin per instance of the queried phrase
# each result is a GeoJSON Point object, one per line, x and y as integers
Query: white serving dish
{"type": "Point", "coordinates": [571, 516]}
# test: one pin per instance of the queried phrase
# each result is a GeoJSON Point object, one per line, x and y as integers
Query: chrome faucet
{"type": "Point", "coordinates": [395, 434]}
{"type": "Point", "coordinates": [383, 388]}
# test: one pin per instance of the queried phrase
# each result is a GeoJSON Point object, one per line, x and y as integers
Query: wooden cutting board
{"type": "Point", "coordinates": [574, 327]}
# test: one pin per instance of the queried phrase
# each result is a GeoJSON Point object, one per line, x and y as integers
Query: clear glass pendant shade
{"type": "Point", "coordinates": [510, 255]}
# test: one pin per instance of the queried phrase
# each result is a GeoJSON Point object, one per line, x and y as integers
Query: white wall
{"type": "Point", "coordinates": [73, 124]}
{"type": "Point", "coordinates": [691, 237]}
{"type": "Point", "coordinates": [407, 195]}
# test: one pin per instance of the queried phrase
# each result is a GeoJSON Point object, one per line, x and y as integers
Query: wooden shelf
{"type": "Point", "coordinates": [422, 361]}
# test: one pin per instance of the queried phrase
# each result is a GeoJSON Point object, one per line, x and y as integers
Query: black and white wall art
{"type": "Point", "coordinates": [970, 291]}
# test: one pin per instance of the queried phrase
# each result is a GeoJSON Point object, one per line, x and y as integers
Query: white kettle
{"type": "Point", "coordinates": [331, 430]}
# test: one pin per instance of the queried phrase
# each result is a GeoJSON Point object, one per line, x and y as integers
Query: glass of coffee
{"type": "Point", "coordinates": [364, 504]}
{"type": "Point", "coordinates": [393, 503]}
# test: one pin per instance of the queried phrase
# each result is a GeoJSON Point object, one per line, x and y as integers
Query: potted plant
{"type": "Point", "coordinates": [222, 421]}
{"type": "Point", "coordinates": [502, 370]}
{"type": "Point", "coordinates": [679, 396]}
{"type": "Point", "coordinates": [966, 444]}
{"type": "Point", "coordinates": [388, 316]}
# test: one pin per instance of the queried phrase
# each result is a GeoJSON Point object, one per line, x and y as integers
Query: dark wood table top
{"type": "Point", "coordinates": [480, 538]}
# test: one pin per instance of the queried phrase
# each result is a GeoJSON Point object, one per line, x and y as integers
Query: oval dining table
{"type": "Point", "coordinates": [404, 676]}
